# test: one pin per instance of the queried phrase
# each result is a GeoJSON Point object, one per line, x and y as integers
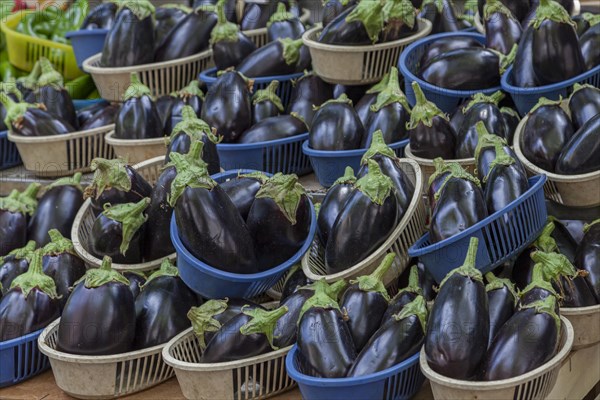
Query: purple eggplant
{"type": "Point", "coordinates": [333, 203]}
{"type": "Point", "coordinates": [503, 29]}
{"type": "Point", "coordinates": [588, 257]}
{"type": "Point", "coordinates": [230, 46]}
{"type": "Point", "coordinates": [15, 212]}
{"type": "Point", "coordinates": [138, 117]}
{"type": "Point", "coordinates": [32, 120]}
{"type": "Point", "coordinates": [273, 128]}
{"type": "Point", "coordinates": [522, 273]}
{"type": "Point", "coordinates": [511, 119]}
{"type": "Point", "coordinates": [445, 45]}
{"type": "Point", "coordinates": [518, 8]}
{"type": "Point", "coordinates": [86, 113]}
{"type": "Point", "coordinates": [400, 20]}
{"type": "Point", "coordinates": [100, 17]}
{"type": "Point", "coordinates": [309, 90]}
{"type": "Point", "coordinates": [565, 242]}
{"type": "Point", "coordinates": [354, 92]}
{"type": "Point", "coordinates": [363, 106]}
{"type": "Point", "coordinates": [523, 74]}
{"type": "Point", "coordinates": [191, 96]}
{"type": "Point", "coordinates": [294, 280]}
{"type": "Point", "coordinates": [164, 104]}
{"type": "Point", "coordinates": [442, 15]}
{"type": "Point", "coordinates": [581, 154]}
{"type": "Point", "coordinates": [438, 179]}
{"type": "Point", "coordinates": [167, 16]}
{"type": "Point", "coordinates": [284, 24]}
{"type": "Point", "coordinates": [502, 299]}
{"type": "Point", "coordinates": [407, 294]}
{"type": "Point", "coordinates": [589, 42]}
{"type": "Point", "coordinates": [157, 240]}
{"type": "Point", "coordinates": [486, 153]}
{"type": "Point", "coordinates": [242, 190]}
{"type": "Point", "coordinates": [136, 281]}
{"type": "Point", "coordinates": [106, 116]}
{"type": "Point", "coordinates": [584, 104]}
{"type": "Point", "coordinates": [336, 126]}
{"type": "Point", "coordinates": [538, 289]}
{"type": "Point", "coordinates": [356, 26]}
{"type": "Point", "coordinates": [14, 264]}
{"type": "Point", "coordinates": [257, 15]}
{"type": "Point", "coordinates": [266, 103]}
{"type": "Point", "coordinates": [279, 57]}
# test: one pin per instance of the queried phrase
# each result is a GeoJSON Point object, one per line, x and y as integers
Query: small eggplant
{"type": "Point", "coordinates": [284, 24]}
{"type": "Point", "coordinates": [309, 90]}
{"type": "Point", "coordinates": [138, 117]}
{"type": "Point", "coordinates": [445, 45]}
{"type": "Point", "coordinates": [230, 46]}
{"type": "Point", "coordinates": [523, 74]}
{"type": "Point", "coordinates": [588, 256]}
{"type": "Point", "coordinates": [486, 153]}
{"type": "Point", "coordinates": [511, 119]}
{"type": "Point", "coordinates": [167, 16]}
{"type": "Point", "coordinates": [400, 20]}
{"type": "Point", "coordinates": [114, 328]}
{"type": "Point", "coordinates": [502, 299]}
{"type": "Point", "coordinates": [279, 57]}
{"type": "Point", "coordinates": [266, 103]}
{"type": "Point", "coordinates": [502, 28]}
{"type": "Point", "coordinates": [15, 212]}
{"type": "Point", "coordinates": [14, 264]}
{"type": "Point", "coordinates": [294, 280]}
{"type": "Point", "coordinates": [584, 104]}
{"type": "Point", "coordinates": [459, 325]}
{"type": "Point", "coordinates": [589, 42]}
{"type": "Point", "coordinates": [191, 96]}
{"type": "Point", "coordinates": [104, 117]}
{"type": "Point", "coordinates": [32, 120]}
{"type": "Point", "coordinates": [333, 203]}
{"type": "Point", "coordinates": [581, 154]}
{"type": "Point", "coordinates": [242, 190]}
{"type": "Point", "coordinates": [30, 304]}
{"type": "Point", "coordinates": [356, 26]}
{"type": "Point", "coordinates": [100, 17]}
{"type": "Point", "coordinates": [431, 134]}
{"type": "Point", "coordinates": [538, 289]}
{"type": "Point", "coordinates": [118, 233]}
{"type": "Point", "coordinates": [336, 126]}
{"type": "Point", "coordinates": [363, 106]}
{"type": "Point", "coordinates": [279, 220]}
{"type": "Point", "coordinates": [136, 281]}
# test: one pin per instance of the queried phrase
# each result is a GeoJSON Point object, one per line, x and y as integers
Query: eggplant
{"type": "Point", "coordinates": [157, 239]}
{"type": "Point", "coordinates": [164, 105]}
{"type": "Point", "coordinates": [336, 126]}
{"type": "Point", "coordinates": [248, 334]}
{"type": "Point", "coordinates": [309, 90]}
{"type": "Point", "coordinates": [365, 302]}
{"type": "Point", "coordinates": [459, 326]}
{"type": "Point", "coordinates": [230, 46]}
{"type": "Point", "coordinates": [256, 15]}
{"type": "Point", "coordinates": [274, 128]}
{"type": "Point", "coordinates": [407, 294]}
{"type": "Point", "coordinates": [15, 212]}
{"type": "Point", "coordinates": [359, 25]}
{"type": "Point", "coordinates": [584, 104]}
{"type": "Point", "coordinates": [564, 240]}
{"type": "Point", "coordinates": [228, 107]}
{"type": "Point", "coordinates": [136, 281]}
{"type": "Point", "coordinates": [279, 220]}
{"type": "Point", "coordinates": [243, 189]}
{"type": "Point", "coordinates": [230, 7]}
{"type": "Point", "coordinates": [294, 280]}
{"type": "Point", "coordinates": [589, 42]}
{"type": "Point", "coordinates": [32, 120]}
{"type": "Point", "coordinates": [400, 20]}
{"type": "Point", "coordinates": [546, 133]}
{"type": "Point", "coordinates": [324, 340]}
{"type": "Point", "coordinates": [138, 117]}
{"type": "Point", "coordinates": [14, 264]}
{"type": "Point", "coordinates": [62, 264]}
{"type": "Point", "coordinates": [284, 24]}
{"type": "Point", "coordinates": [364, 222]}
{"type": "Point", "coordinates": [581, 154]}
{"type": "Point", "coordinates": [502, 29]}
{"type": "Point", "coordinates": [191, 35]}
{"type": "Point", "coordinates": [266, 103]}
{"type": "Point", "coordinates": [396, 340]}
{"type": "Point", "coordinates": [104, 117]}
{"type": "Point", "coordinates": [279, 57]}
{"type": "Point", "coordinates": [523, 73]}
{"type": "Point", "coordinates": [115, 182]}
{"type": "Point", "coordinates": [556, 54]}
{"type": "Point", "coordinates": [333, 203]}
{"type": "Point", "coordinates": [191, 96]}
{"type": "Point", "coordinates": [10, 89]}
{"type": "Point", "coordinates": [538, 289]}
{"type": "Point", "coordinates": [489, 147]}
{"type": "Point", "coordinates": [502, 299]}
{"type": "Point", "coordinates": [56, 209]}
{"type": "Point", "coordinates": [30, 304]}
{"type": "Point", "coordinates": [100, 17]}
{"type": "Point", "coordinates": [130, 41]}
{"type": "Point", "coordinates": [516, 351]}
{"type": "Point", "coordinates": [442, 15]}
{"type": "Point", "coordinates": [167, 16]}
{"type": "Point", "coordinates": [511, 119]}
{"type": "Point", "coordinates": [588, 257]}
{"type": "Point", "coordinates": [100, 288]}
{"type": "Point", "coordinates": [438, 179]}
{"type": "Point", "coordinates": [354, 92]}
{"type": "Point", "coordinates": [518, 8]}
{"type": "Point", "coordinates": [447, 44]}
{"type": "Point", "coordinates": [582, 22]}
{"type": "Point", "coordinates": [333, 8]}
{"type": "Point", "coordinates": [161, 307]}
{"type": "Point", "coordinates": [523, 269]}
{"type": "Point", "coordinates": [118, 232]}
{"type": "Point", "coordinates": [363, 106]}
{"type": "Point", "coordinates": [431, 134]}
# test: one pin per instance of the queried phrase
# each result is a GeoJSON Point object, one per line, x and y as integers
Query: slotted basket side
{"type": "Point", "coordinates": [136, 150]}
{"type": "Point", "coordinates": [585, 321]}
{"type": "Point", "coordinates": [21, 359]}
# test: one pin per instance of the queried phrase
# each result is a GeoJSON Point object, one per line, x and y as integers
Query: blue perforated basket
{"type": "Point", "coordinates": [79, 104]}
{"type": "Point", "coordinates": [21, 359]}
{"type": "Point", "coordinates": [446, 99]}
{"type": "Point", "coordinates": [330, 165]}
{"type": "Point", "coordinates": [526, 98]}
{"type": "Point", "coordinates": [86, 43]}
{"type": "Point", "coordinates": [400, 382]}
{"type": "Point", "coordinates": [284, 91]}
{"type": "Point", "coordinates": [9, 155]}
{"type": "Point", "coordinates": [281, 155]}
{"type": "Point", "coordinates": [212, 283]}
{"type": "Point", "coordinates": [502, 235]}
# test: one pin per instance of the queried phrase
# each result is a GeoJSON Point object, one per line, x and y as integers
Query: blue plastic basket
{"type": "Point", "coordinates": [502, 235]}
{"type": "Point", "coordinates": [86, 43]}
{"type": "Point", "coordinates": [526, 98]}
{"type": "Point", "coordinates": [446, 99]}
{"type": "Point", "coordinates": [284, 91]}
{"type": "Point", "coordinates": [330, 165]}
{"type": "Point", "coordinates": [212, 283]}
{"type": "Point", "coordinates": [79, 104]}
{"type": "Point", "coordinates": [400, 382]}
{"type": "Point", "coordinates": [9, 155]}
{"type": "Point", "coordinates": [21, 359]}
{"type": "Point", "coordinates": [281, 155]}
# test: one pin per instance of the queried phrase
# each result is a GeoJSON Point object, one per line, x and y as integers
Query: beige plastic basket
{"type": "Point", "coordinates": [103, 377]}
{"type": "Point", "coordinates": [586, 324]}
{"type": "Point", "coordinates": [570, 190]}
{"type": "Point", "coordinates": [136, 151]}
{"type": "Point", "coordinates": [478, 23]}
{"type": "Point", "coordinates": [408, 231]}
{"type": "Point", "coordinates": [357, 65]}
{"type": "Point", "coordinates": [62, 155]}
{"type": "Point", "coordinates": [534, 385]}
{"type": "Point", "coordinates": [162, 78]}
{"type": "Point", "coordinates": [259, 36]}
{"type": "Point", "coordinates": [427, 167]}
{"type": "Point", "coordinates": [84, 220]}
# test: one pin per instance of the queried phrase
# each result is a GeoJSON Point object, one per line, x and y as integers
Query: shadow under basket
{"type": "Point", "coordinates": [21, 359]}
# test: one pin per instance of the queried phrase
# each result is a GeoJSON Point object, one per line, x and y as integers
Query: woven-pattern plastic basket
{"type": "Point", "coordinates": [138, 150]}
{"type": "Point", "coordinates": [446, 99]}
{"type": "Point", "coordinates": [103, 377]}
{"type": "Point", "coordinates": [21, 359]}
{"type": "Point", "coordinates": [86, 43]}
{"type": "Point", "coordinates": [585, 321]}
{"type": "Point", "coordinates": [84, 221]}
{"type": "Point", "coordinates": [162, 78]}
{"type": "Point", "coordinates": [427, 167]}
{"type": "Point", "coordinates": [62, 155]}
{"type": "Point", "coordinates": [409, 229]}
{"type": "Point", "coordinates": [400, 382]}
{"type": "Point", "coordinates": [502, 235]}
{"type": "Point", "coordinates": [9, 154]}
{"type": "Point", "coordinates": [534, 385]}
{"type": "Point", "coordinates": [357, 65]}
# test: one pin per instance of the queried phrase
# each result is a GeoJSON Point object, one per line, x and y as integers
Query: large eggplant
{"type": "Point", "coordinates": [284, 24]}
{"type": "Point", "coordinates": [459, 324]}
{"type": "Point", "coordinates": [333, 203]}
{"type": "Point", "coordinates": [167, 16]}
{"type": "Point", "coordinates": [191, 96]}
{"type": "Point", "coordinates": [584, 104]}
{"type": "Point", "coordinates": [266, 103]}
{"type": "Point", "coordinates": [14, 216]}
{"type": "Point", "coordinates": [357, 26]}
{"type": "Point", "coordinates": [502, 299]}
{"type": "Point", "coordinates": [445, 45]}
{"type": "Point", "coordinates": [230, 46]}
{"type": "Point", "coordinates": [588, 256]}
{"type": "Point", "coordinates": [400, 20]}
{"type": "Point", "coordinates": [589, 43]}
{"type": "Point", "coordinates": [138, 117]}
{"type": "Point", "coordinates": [581, 154]}
{"type": "Point", "coordinates": [273, 128]}
{"type": "Point", "coordinates": [336, 126]}
{"type": "Point", "coordinates": [309, 90]}
{"type": "Point", "coordinates": [32, 119]}
{"type": "Point", "coordinates": [279, 57]}
{"type": "Point", "coordinates": [101, 288]}
{"type": "Point", "coordinates": [523, 74]}
{"type": "Point", "coordinates": [242, 190]}
{"type": "Point", "coordinates": [503, 30]}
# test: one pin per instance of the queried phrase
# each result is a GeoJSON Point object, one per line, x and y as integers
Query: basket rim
{"type": "Point", "coordinates": [572, 311]}
{"type": "Point", "coordinates": [429, 163]}
{"type": "Point", "coordinates": [346, 153]}
{"type": "Point", "coordinates": [536, 183]}
{"type": "Point", "coordinates": [17, 16]}
{"type": "Point", "coordinates": [176, 364]}
{"type": "Point", "coordinates": [110, 139]}
{"type": "Point", "coordinates": [261, 145]}
{"type": "Point", "coordinates": [85, 33]}
{"type": "Point", "coordinates": [7, 344]}
{"type": "Point", "coordinates": [57, 138]}
{"type": "Point", "coordinates": [554, 362]}
{"type": "Point", "coordinates": [412, 209]}
{"type": "Point", "coordinates": [54, 354]}
{"type": "Point", "coordinates": [207, 76]}
{"type": "Point", "coordinates": [539, 90]}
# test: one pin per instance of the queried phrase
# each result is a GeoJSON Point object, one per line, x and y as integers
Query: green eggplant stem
{"type": "Point", "coordinates": [30, 81]}
{"type": "Point", "coordinates": [502, 158]}
{"type": "Point", "coordinates": [379, 86]}
{"type": "Point", "coordinates": [456, 171]}
{"type": "Point", "coordinates": [224, 31]}
{"type": "Point", "coordinates": [286, 192]}
{"type": "Point", "coordinates": [108, 174]}
{"type": "Point", "coordinates": [548, 306]}
{"type": "Point", "coordinates": [202, 318]}
{"type": "Point", "coordinates": [58, 244]}
{"type": "Point", "coordinates": [487, 140]}
{"type": "Point", "coordinates": [479, 98]}
{"type": "Point", "coordinates": [49, 76]}
{"type": "Point", "coordinates": [291, 50]}
{"type": "Point", "coordinates": [96, 277]}
{"type": "Point", "coordinates": [140, 8]}
{"type": "Point", "coordinates": [166, 269]}
{"type": "Point", "coordinates": [131, 216]}
{"type": "Point", "coordinates": [280, 15]}
{"type": "Point", "coordinates": [12, 204]}
{"type": "Point", "coordinates": [495, 6]}
{"type": "Point", "coordinates": [555, 265]}
{"type": "Point", "coordinates": [342, 98]}
{"type": "Point", "coordinates": [191, 172]}
{"type": "Point", "coordinates": [24, 252]}
{"type": "Point", "coordinates": [10, 87]}
{"type": "Point", "coordinates": [538, 280]}
{"type": "Point", "coordinates": [374, 281]}
{"type": "Point", "coordinates": [587, 227]}
{"type": "Point", "coordinates": [553, 11]}
{"type": "Point", "coordinates": [347, 178]}
{"type": "Point", "coordinates": [29, 197]}
{"type": "Point", "coordinates": [416, 307]}
{"type": "Point", "coordinates": [268, 94]}
{"type": "Point", "coordinates": [35, 278]}
{"type": "Point", "coordinates": [400, 10]}
{"type": "Point", "coordinates": [262, 321]}
{"type": "Point", "coordinates": [194, 127]}
{"type": "Point", "coordinates": [545, 102]}
{"type": "Point", "coordinates": [495, 283]}
{"type": "Point", "coordinates": [74, 181]}
{"type": "Point", "coordinates": [136, 88]}
{"type": "Point", "coordinates": [369, 13]}
{"type": "Point", "coordinates": [424, 111]}
{"type": "Point", "coordinates": [375, 184]}
{"type": "Point", "coordinates": [378, 146]}
{"type": "Point", "coordinates": [334, 291]}
{"type": "Point", "coordinates": [468, 268]}
{"type": "Point", "coordinates": [320, 299]}
{"type": "Point", "coordinates": [545, 242]}
{"type": "Point", "coordinates": [440, 168]}
{"type": "Point", "coordinates": [14, 110]}
{"type": "Point", "coordinates": [192, 89]}
{"type": "Point", "coordinates": [391, 94]}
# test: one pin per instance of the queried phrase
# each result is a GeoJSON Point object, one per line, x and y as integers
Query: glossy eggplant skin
{"type": "Point", "coordinates": [331, 358]}
{"type": "Point", "coordinates": [518, 8]}
{"type": "Point", "coordinates": [20, 315]}
{"type": "Point", "coordinates": [341, 32]}
{"type": "Point", "coordinates": [10, 268]}
{"type": "Point", "coordinates": [546, 134]}
{"type": "Point", "coordinates": [106, 237]}
{"type": "Point", "coordinates": [273, 128]}
{"type": "Point", "coordinates": [65, 269]}
{"type": "Point", "coordinates": [458, 328]}
{"type": "Point", "coordinates": [104, 117]}
{"type": "Point", "coordinates": [228, 107]}
{"type": "Point", "coordinates": [100, 17]}
{"type": "Point", "coordinates": [523, 74]}
{"type": "Point", "coordinates": [138, 118]}
{"type": "Point", "coordinates": [84, 114]}
{"type": "Point", "coordinates": [567, 245]}
{"type": "Point", "coordinates": [216, 235]}
{"type": "Point", "coordinates": [501, 304]}
{"type": "Point", "coordinates": [445, 45]}
{"type": "Point", "coordinates": [588, 258]}
{"type": "Point", "coordinates": [234, 308]}
{"type": "Point", "coordinates": [290, 28]}
{"type": "Point", "coordinates": [263, 110]}
{"type": "Point", "coordinates": [505, 184]}
{"type": "Point", "coordinates": [309, 90]}
{"type": "Point", "coordinates": [242, 191]}
{"type": "Point", "coordinates": [37, 122]}
{"type": "Point", "coordinates": [523, 269]}
{"type": "Point", "coordinates": [164, 104]}
{"type": "Point", "coordinates": [181, 143]}
{"type": "Point", "coordinates": [129, 42]}
{"type": "Point", "coordinates": [166, 19]}
{"type": "Point", "coordinates": [266, 61]}
{"type": "Point", "coordinates": [487, 156]}
{"type": "Point", "coordinates": [589, 43]}
{"type": "Point", "coordinates": [336, 126]}
{"type": "Point", "coordinates": [437, 140]}
{"type": "Point", "coordinates": [467, 137]}
{"type": "Point", "coordinates": [115, 324]}
{"type": "Point", "coordinates": [139, 189]}
{"type": "Point", "coordinates": [286, 329]}
{"type": "Point", "coordinates": [363, 107]}
{"type": "Point", "coordinates": [512, 121]}
{"type": "Point", "coordinates": [175, 115]}
{"type": "Point", "coordinates": [58, 102]}
{"type": "Point", "coordinates": [391, 120]}
{"type": "Point", "coordinates": [575, 292]}
{"type": "Point", "coordinates": [256, 15]}
{"type": "Point", "coordinates": [230, 54]}
{"type": "Point", "coordinates": [293, 283]}
{"type": "Point", "coordinates": [333, 203]}
{"type": "Point", "coordinates": [502, 32]}
{"type": "Point", "coordinates": [13, 228]}
{"type": "Point", "coordinates": [157, 239]}
{"type": "Point", "coordinates": [584, 104]}
{"type": "Point", "coordinates": [135, 282]}
{"type": "Point", "coordinates": [365, 312]}
{"type": "Point", "coordinates": [581, 153]}
{"type": "Point", "coordinates": [354, 93]}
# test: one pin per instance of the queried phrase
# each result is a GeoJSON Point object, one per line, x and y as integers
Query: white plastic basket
{"type": "Point", "coordinates": [136, 150]}
{"type": "Point", "coordinates": [586, 324]}
{"type": "Point", "coordinates": [428, 168]}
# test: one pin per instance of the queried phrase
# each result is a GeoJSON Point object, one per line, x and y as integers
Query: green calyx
{"type": "Point", "coordinates": [259, 176]}
{"type": "Point", "coordinates": [35, 278]}
{"type": "Point", "coordinates": [377, 146]}
{"type": "Point", "coordinates": [548, 306]}
{"type": "Point", "coordinates": [480, 98]}
{"type": "Point", "coordinates": [140, 8]}
{"type": "Point", "coordinates": [381, 85]}
{"type": "Point", "coordinates": [502, 159]}
{"type": "Point", "coordinates": [486, 140]}
{"type": "Point", "coordinates": [468, 268]}
{"type": "Point", "coordinates": [285, 191]}
{"type": "Point", "coordinates": [58, 244]}
{"type": "Point", "coordinates": [30, 81]}
{"type": "Point", "coordinates": [391, 94]}
{"type": "Point", "coordinates": [194, 127]}
{"type": "Point", "coordinates": [166, 269]}
{"type": "Point", "coordinates": [74, 181]}
{"type": "Point", "coordinates": [29, 197]}
{"type": "Point", "coordinates": [333, 291]}
{"type": "Point", "coordinates": [191, 172]}
{"type": "Point", "coordinates": [108, 174]}
{"type": "Point", "coordinates": [375, 184]}
{"type": "Point", "coordinates": [10, 87]}
{"type": "Point", "coordinates": [299, 118]}
{"type": "Point", "coordinates": [347, 179]}
{"type": "Point", "coordinates": [192, 89]}
{"type": "Point", "coordinates": [538, 281]}
{"type": "Point", "coordinates": [400, 10]}
{"type": "Point", "coordinates": [181, 7]}
{"type": "Point", "coordinates": [14, 110]}
{"type": "Point", "coordinates": [592, 19]}
{"type": "Point", "coordinates": [424, 111]}
{"type": "Point", "coordinates": [291, 50]}
{"type": "Point", "coordinates": [506, 60]}
{"type": "Point", "coordinates": [413, 283]}
{"type": "Point", "coordinates": [136, 89]}
{"type": "Point", "coordinates": [544, 102]}
{"type": "Point", "coordinates": [440, 169]}
{"type": "Point", "coordinates": [545, 242]}
{"type": "Point", "coordinates": [553, 11]}
{"type": "Point", "coordinates": [203, 321]}
{"type": "Point", "coordinates": [374, 281]}
{"type": "Point", "coordinates": [587, 227]}
{"type": "Point", "coordinates": [24, 252]}
{"type": "Point", "coordinates": [370, 14]}
{"type": "Point", "coordinates": [280, 15]}
{"type": "Point", "coordinates": [495, 6]}
{"type": "Point", "coordinates": [555, 265]}
{"type": "Point", "coordinates": [417, 307]}
{"type": "Point", "coordinates": [511, 112]}
{"type": "Point", "coordinates": [495, 283]}
{"type": "Point", "coordinates": [224, 31]}
{"type": "Point", "coordinates": [342, 98]}
{"type": "Point", "coordinates": [262, 322]}
{"type": "Point", "coordinates": [456, 171]}
{"type": "Point", "coordinates": [12, 204]}
{"type": "Point", "coordinates": [131, 216]}
{"type": "Point", "coordinates": [320, 299]}
{"type": "Point", "coordinates": [49, 76]}
{"type": "Point", "coordinates": [268, 94]}
{"type": "Point", "coordinates": [96, 277]}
